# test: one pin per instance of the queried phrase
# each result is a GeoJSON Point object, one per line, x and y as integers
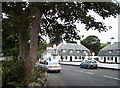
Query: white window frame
{"type": "Point", "coordinates": [71, 50]}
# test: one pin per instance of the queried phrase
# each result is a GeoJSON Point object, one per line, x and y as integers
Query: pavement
{"type": "Point", "coordinates": [100, 65]}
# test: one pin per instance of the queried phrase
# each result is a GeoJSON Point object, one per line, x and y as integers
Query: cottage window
{"type": "Point", "coordinates": [78, 51]}
{"type": "Point", "coordinates": [111, 58]}
{"type": "Point", "coordinates": [64, 50]}
{"type": "Point", "coordinates": [104, 57]}
{"type": "Point", "coordinates": [61, 57]}
{"type": "Point", "coordinates": [84, 51]}
{"type": "Point", "coordinates": [108, 58]}
{"type": "Point", "coordinates": [115, 57]}
{"type": "Point", "coordinates": [118, 51]}
{"type": "Point", "coordinates": [66, 57]}
{"type": "Point", "coordinates": [110, 51]}
{"type": "Point", "coordinates": [80, 57]}
{"type": "Point", "coordinates": [54, 50]}
{"type": "Point", "coordinates": [71, 51]}
{"type": "Point", "coordinates": [70, 58]}
{"type": "Point", "coordinates": [75, 57]}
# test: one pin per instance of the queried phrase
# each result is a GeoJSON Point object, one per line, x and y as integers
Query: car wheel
{"type": "Point", "coordinates": [58, 71]}
{"type": "Point", "coordinates": [88, 66]}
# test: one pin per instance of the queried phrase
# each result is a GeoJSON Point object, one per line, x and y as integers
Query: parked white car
{"type": "Point", "coordinates": [53, 67]}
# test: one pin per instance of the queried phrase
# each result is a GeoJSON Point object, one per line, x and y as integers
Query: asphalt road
{"type": "Point", "coordinates": [76, 76]}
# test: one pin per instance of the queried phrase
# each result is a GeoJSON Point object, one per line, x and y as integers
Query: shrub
{"type": "Point", "coordinates": [12, 73]}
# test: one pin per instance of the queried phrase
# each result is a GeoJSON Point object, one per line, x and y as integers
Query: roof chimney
{"type": "Point", "coordinates": [54, 46]}
{"type": "Point", "coordinates": [64, 41]}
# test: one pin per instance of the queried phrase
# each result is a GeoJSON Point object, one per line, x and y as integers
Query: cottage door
{"type": "Point", "coordinates": [70, 58]}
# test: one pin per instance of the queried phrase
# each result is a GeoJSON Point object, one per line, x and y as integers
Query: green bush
{"type": "Point", "coordinates": [12, 74]}
{"type": "Point", "coordinates": [39, 72]}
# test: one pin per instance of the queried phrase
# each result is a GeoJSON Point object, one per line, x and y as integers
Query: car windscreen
{"type": "Point", "coordinates": [92, 61]}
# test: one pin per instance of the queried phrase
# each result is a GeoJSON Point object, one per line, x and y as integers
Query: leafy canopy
{"type": "Point", "coordinates": [58, 18]}
{"type": "Point", "coordinates": [70, 13]}
{"type": "Point", "coordinates": [92, 42]}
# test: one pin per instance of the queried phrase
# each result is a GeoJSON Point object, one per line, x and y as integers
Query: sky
{"type": "Point", "coordinates": [103, 36]}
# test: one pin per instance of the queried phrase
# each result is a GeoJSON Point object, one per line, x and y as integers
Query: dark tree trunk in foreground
{"type": "Point", "coordinates": [24, 53]}
{"type": "Point", "coordinates": [34, 36]}
{"type": "Point", "coordinates": [30, 54]}
{"type": "Point", "coordinates": [23, 45]}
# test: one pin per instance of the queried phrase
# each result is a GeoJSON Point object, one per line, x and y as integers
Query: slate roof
{"type": "Point", "coordinates": [110, 50]}
{"type": "Point", "coordinates": [48, 51]}
{"type": "Point", "coordinates": [73, 46]}
{"type": "Point", "coordinates": [69, 46]}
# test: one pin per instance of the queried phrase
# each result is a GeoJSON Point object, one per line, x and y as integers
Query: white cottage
{"type": "Point", "coordinates": [72, 52]}
{"type": "Point", "coordinates": [68, 52]}
{"type": "Point", "coordinates": [110, 53]}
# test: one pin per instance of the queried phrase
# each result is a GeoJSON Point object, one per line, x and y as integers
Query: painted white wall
{"type": "Point", "coordinates": [68, 58]}
{"type": "Point", "coordinates": [73, 58]}
{"type": "Point", "coordinates": [119, 59]}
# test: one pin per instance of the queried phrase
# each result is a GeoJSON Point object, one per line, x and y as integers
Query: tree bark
{"type": "Point", "coordinates": [24, 51]}
{"type": "Point", "coordinates": [28, 54]}
{"type": "Point", "coordinates": [23, 45]}
{"type": "Point", "coordinates": [34, 36]}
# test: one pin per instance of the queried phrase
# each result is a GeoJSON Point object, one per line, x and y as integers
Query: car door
{"type": "Point", "coordinates": [86, 64]}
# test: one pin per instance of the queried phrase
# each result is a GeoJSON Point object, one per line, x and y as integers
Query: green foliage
{"type": "Point", "coordinates": [21, 14]}
{"type": "Point", "coordinates": [12, 73]}
{"type": "Point", "coordinates": [71, 42]}
{"type": "Point", "coordinates": [39, 72]}
{"type": "Point", "coordinates": [20, 17]}
{"type": "Point", "coordinates": [92, 43]}
{"type": "Point", "coordinates": [69, 13]}
{"type": "Point", "coordinates": [42, 47]}
{"type": "Point", "coordinates": [102, 45]}
{"type": "Point", "coordinates": [16, 20]}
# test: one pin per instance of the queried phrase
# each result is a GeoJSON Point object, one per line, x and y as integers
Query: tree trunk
{"type": "Point", "coordinates": [24, 50]}
{"type": "Point", "coordinates": [34, 36]}
{"type": "Point", "coordinates": [28, 54]}
{"type": "Point", "coordinates": [23, 45]}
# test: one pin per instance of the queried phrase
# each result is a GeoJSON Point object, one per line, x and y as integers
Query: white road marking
{"type": "Point", "coordinates": [78, 71]}
{"type": "Point", "coordinates": [111, 77]}
{"type": "Point", "coordinates": [89, 73]}
{"type": "Point", "coordinates": [93, 74]}
{"type": "Point", "coordinates": [83, 72]}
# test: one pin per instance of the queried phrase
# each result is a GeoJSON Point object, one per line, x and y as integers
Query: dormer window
{"type": "Point", "coordinates": [64, 50]}
{"type": "Point", "coordinates": [54, 50]}
{"type": "Point", "coordinates": [118, 50]}
{"type": "Point", "coordinates": [78, 51]}
{"type": "Point", "coordinates": [71, 50]}
{"type": "Point", "coordinates": [110, 51]}
{"type": "Point", "coordinates": [84, 51]}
